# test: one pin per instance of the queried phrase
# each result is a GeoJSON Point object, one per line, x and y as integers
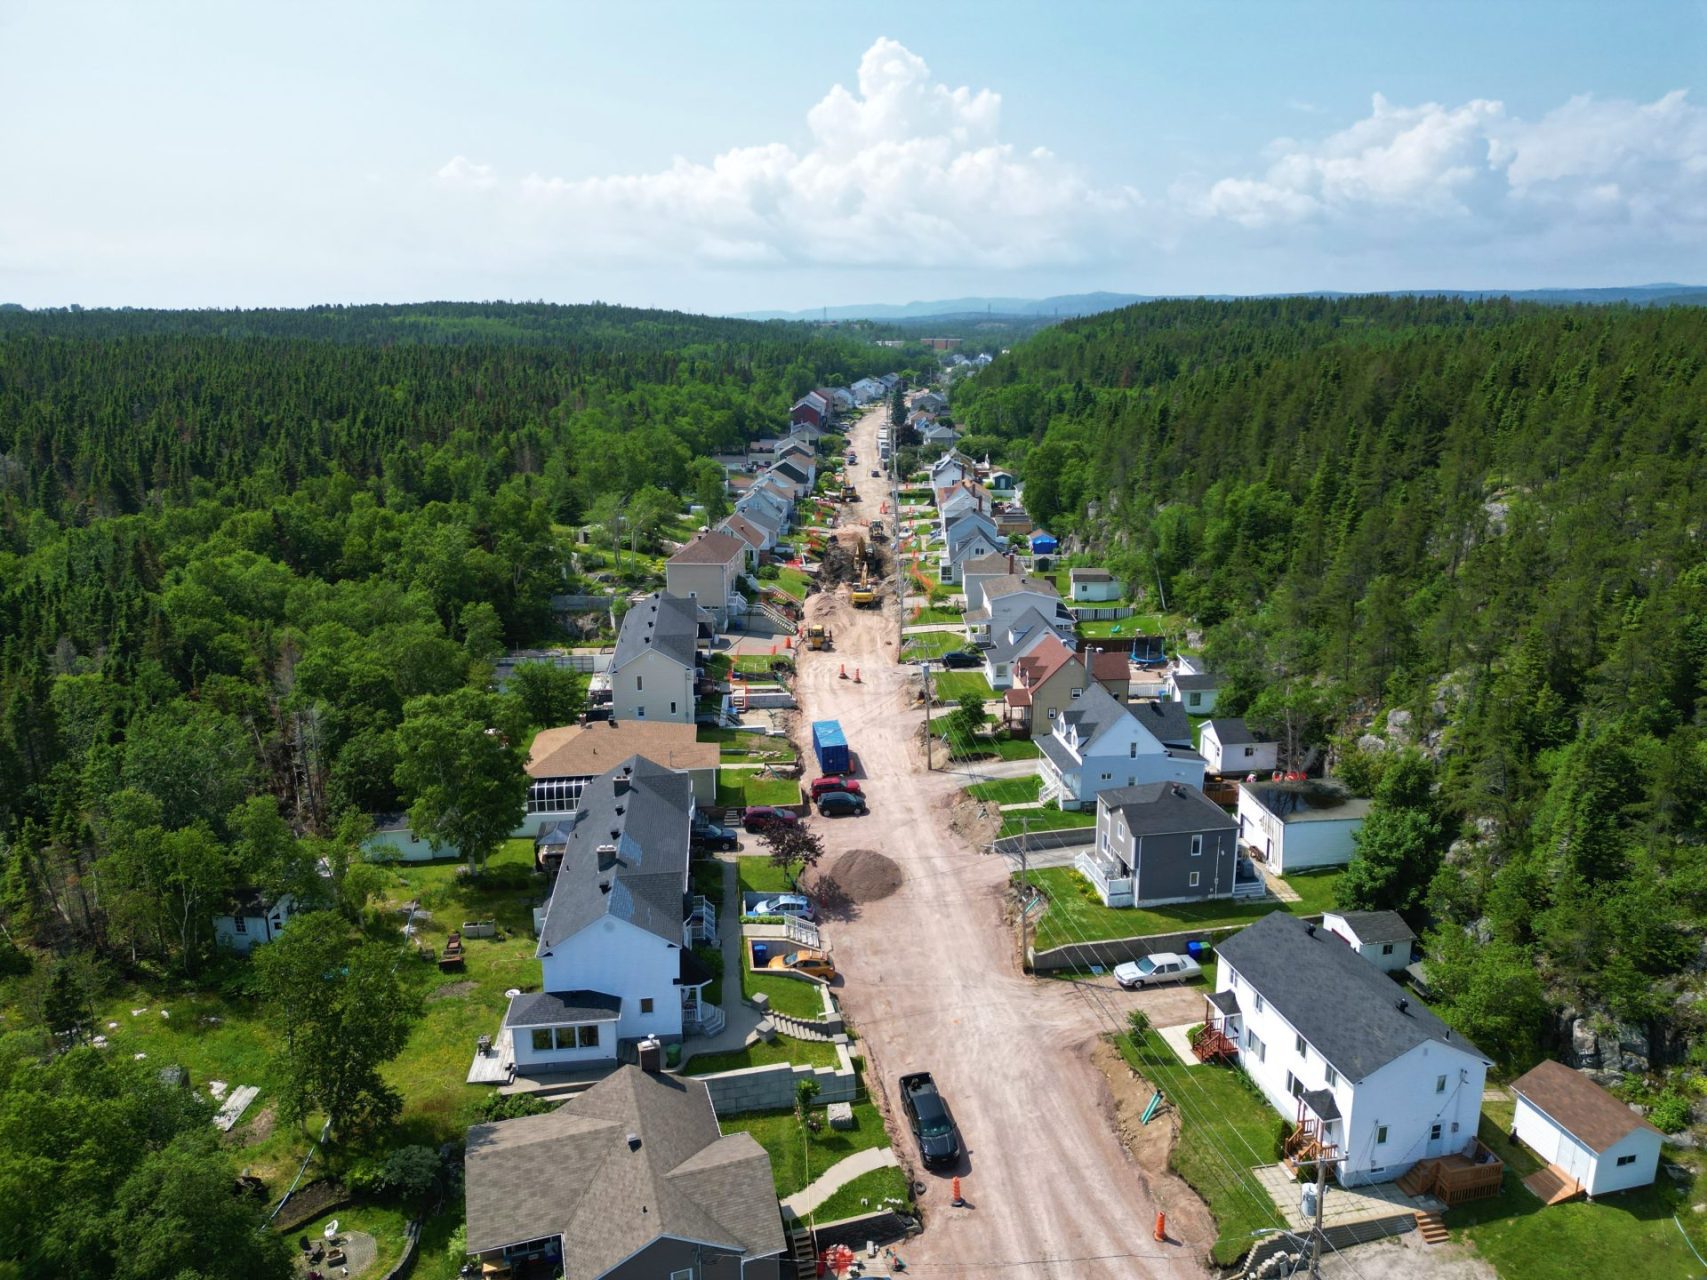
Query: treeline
{"type": "Point", "coordinates": [1488, 516]}
{"type": "Point", "coordinates": [238, 551]}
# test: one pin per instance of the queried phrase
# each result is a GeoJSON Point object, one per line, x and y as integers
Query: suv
{"type": "Point", "coordinates": [836, 804]}
{"type": "Point", "coordinates": [927, 1115]}
{"type": "Point", "coordinates": [708, 835]}
{"type": "Point", "coordinates": [961, 659]}
{"type": "Point", "coordinates": [833, 782]}
{"type": "Point", "coordinates": [761, 817]}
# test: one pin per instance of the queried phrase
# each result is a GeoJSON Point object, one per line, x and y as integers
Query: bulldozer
{"type": "Point", "coordinates": [818, 636]}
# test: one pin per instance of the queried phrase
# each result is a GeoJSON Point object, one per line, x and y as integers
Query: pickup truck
{"type": "Point", "coordinates": [928, 1116]}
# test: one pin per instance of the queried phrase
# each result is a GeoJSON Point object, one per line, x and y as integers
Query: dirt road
{"type": "Point", "coordinates": [932, 981]}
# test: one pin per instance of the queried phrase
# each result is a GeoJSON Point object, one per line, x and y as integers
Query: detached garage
{"type": "Point", "coordinates": [1591, 1142]}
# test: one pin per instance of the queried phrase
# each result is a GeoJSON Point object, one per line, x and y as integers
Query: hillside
{"type": "Point", "coordinates": [1478, 523]}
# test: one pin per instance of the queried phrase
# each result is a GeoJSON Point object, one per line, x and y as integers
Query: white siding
{"type": "Point", "coordinates": [619, 959]}
{"type": "Point", "coordinates": [1609, 1176]}
{"type": "Point", "coordinates": [403, 846]}
{"type": "Point", "coordinates": [528, 1056]}
{"type": "Point", "coordinates": [1262, 758]}
{"type": "Point", "coordinates": [1599, 1174]}
{"type": "Point", "coordinates": [646, 688]}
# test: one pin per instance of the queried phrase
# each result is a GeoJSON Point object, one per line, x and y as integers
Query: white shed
{"type": "Point", "coordinates": [1230, 746]}
{"type": "Point", "coordinates": [1295, 826]}
{"type": "Point", "coordinates": [1583, 1132]}
{"type": "Point", "coordinates": [1380, 937]}
{"type": "Point", "coordinates": [394, 840]}
{"type": "Point", "coordinates": [251, 918]}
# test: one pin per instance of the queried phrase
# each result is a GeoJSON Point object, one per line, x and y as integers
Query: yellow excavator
{"type": "Point", "coordinates": [863, 595]}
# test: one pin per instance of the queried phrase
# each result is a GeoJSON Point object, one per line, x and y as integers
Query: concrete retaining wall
{"type": "Point", "coordinates": [880, 1228]}
{"type": "Point", "coordinates": [772, 1088]}
{"type": "Point", "coordinates": [1070, 836]}
{"type": "Point", "coordinates": [1114, 951]}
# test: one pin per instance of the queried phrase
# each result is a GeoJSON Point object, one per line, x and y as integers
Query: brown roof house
{"type": "Point", "coordinates": [563, 760]}
{"type": "Point", "coordinates": [632, 1179]}
{"type": "Point", "coordinates": [709, 570]}
{"type": "Point", "coordinates": [1591, 1141]}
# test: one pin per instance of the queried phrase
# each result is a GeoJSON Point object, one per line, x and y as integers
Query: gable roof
{"type": "Point", "coordinates": [1095, 711]}
{"type": "Point", "coordinates": [663, 623]}
{"type": "Point", "coordinates": [763, 510]}
{"type": "Point", "coordinates": [1309, 801]}
{"type": "Point", "coordinates": [1089, 575]}
{"type": "Point", "coordinates": [995, 562]}
{"type": "Point", "coordinates": [1019, 636]}
{"type": "Point", "coordinates": [636, 1157]}
{"type": "Point", "coordinates": [711, 548]}
{"type": "Point", "coordinates": [1166, 808]}
{"type": "Point", "coordinates": [739, 526]}
{"type": "Point", "coordinates": [1376, 926]}
{"type": "Point", "coordinates": [1042, 662]}
{"type": "Point", "coordinates": [1194, 681]}
{"type": "Point", "coordinates": [586, 750]}
{"type": "Point", "coordinates": [1349, 1011]}
{"type": "Point", "coordinates": [1166, 721]}
{"type": "Point", "coordinates": [1109, 665]}
{"type": "Point", "coordinates": [638, 814]}
{"type": "Point", "coordinates": [1231, 731]}
{"type": "Point", "coordinates": [1579, 1106]}
{"type": "Point", "coordinates": [1009, 583]}
{"type": "Point", "coordinates": [787, 469]}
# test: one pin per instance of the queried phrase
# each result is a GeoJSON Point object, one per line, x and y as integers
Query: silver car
{"type": "Point", "coordinates": [1153, 970]}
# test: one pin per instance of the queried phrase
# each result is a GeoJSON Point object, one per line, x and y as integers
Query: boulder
{"type": "Point", "coordinates": [1399, 726]}
{"type": "Point", "coordinates": [1372, 744]}
{"type": "Point", "coordinates": [1585, 1045]}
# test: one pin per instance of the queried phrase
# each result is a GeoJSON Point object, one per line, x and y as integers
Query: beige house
{"type": "Point", "coordinates": [563, 760]}
{"type": "Point", "coordinates": [1047, 681]}
{"type": "Point", "coordinates": [709, 570]}
{"type": "Point", "coordinates": [652, 672]}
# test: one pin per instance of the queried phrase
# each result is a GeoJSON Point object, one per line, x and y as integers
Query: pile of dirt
{"type": "Point", "coordinates": [1152, 1145]}
{"type": "Point", "coordinates": [862, 875]}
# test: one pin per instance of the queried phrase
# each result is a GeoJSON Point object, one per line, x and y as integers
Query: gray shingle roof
{"type": "Point", "coordinates": [1226, 1001]}
{"type": "Point", "coordinates": [1166, 721]}
{"type": "Point", "coordinates": [1089, 575]}
{"type": "Point", "coordinates": [1233, 732]}
{"type": "Point", "coordinates": [550, 1008]}
{"type": "Point", "coordinates": [1093, 711]}
{"type": "Point", "coordinates": [996, 562]}
{"type": "Point", "coordinates": [575, 1173]}
{"type": "Point", "coordinates": [1009, 583]}
{"type": "Point", "coordinates": [1306, 801]}
{"type": "Point", "coordinates": [1346, 1008]}
{"type": "Point", "coordinates": [1377, 926]}
{"type": "Point", "coordinates": [1166, 808]}
{"type": "Point", "coordinates": [645, 880]}
{"type": "Point", "coordinates": [1018, 636]}
{"type": "Point", "coordinates": [668, 624]}
{"type": "Point", "coordinates": [1201, 681]}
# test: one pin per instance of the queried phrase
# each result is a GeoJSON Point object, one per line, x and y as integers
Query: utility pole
{"type": "Point", "coordinates": [1316, 1236]}
{"type": "Point", "coordinates": [1024, 887]}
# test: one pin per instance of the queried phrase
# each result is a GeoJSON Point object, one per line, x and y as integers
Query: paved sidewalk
{"type": "Point", "coordinates": [838, 1176]}
{"type": "Point", "coordinates": [741, 1017]}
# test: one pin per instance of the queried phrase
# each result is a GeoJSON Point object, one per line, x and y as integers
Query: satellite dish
{"type": "Point", "coordinates": [331, 1232]}
{"type": "Point", "coordinates": [512, 993]}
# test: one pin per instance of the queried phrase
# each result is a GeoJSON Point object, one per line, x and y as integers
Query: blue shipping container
{"type": "Point", "coordinates": [830, 745]}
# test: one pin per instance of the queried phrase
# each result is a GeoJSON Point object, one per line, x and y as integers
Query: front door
{"type": "Point", "coordinates": [1437, 1142]}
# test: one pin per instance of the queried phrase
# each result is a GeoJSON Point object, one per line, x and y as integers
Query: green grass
{"type": "Point", "coordinates": [932, 644]}
{"type": "Point", "coordinates": [797, 997]}
{"type": "Point", "coordinates": [795, 583]}
{"type": "Point", "coordinates": [735, 790]}
{"type": "Point", "coordinates": [952, 686]}
{"type": "Point", "coordinates": [734, 747]}
{"type": "Point", "coordinates": [1076, 914]}
{"type": "Point", "coordinates": [760, 664]}
{"type": "Point", "coordinates": [1046, 820]}
{"type": "Point", "coordinates": [806, 1053]}
{"type": "Point", "coordinates": [797, 1154]}
{"type": "Point", "coordinates": [873, 1188]}
{"type": "Point", "coordinates": [758, 874]}
{"type": "Point", "coordinates": [1007, 749]}
{"type": "Point", "coordinates": [1139, 624]}
{"type": "Point", "coordinates": [935, 614]}
{"type": "Point", "coordinates": [1223, 1121]}
{"type": "Point", "coordinates": [1006, 790]}
{"type": "Point", "coordinates": [384, 1223]}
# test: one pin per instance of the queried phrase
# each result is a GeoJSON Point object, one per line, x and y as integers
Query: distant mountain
{"type": "Point", "coordinates": [1088, 304]}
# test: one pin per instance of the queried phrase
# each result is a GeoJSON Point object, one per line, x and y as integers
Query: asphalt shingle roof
{"type": "Point", "coordinates": [1009, 583]}
{"type": "Point", "coordinates": [1347, 1009]}
{"type": "Point", "coordinates": [1232, 732]}
{"type": "Point", "coordinates": [1377, 926]}
{"type": "Point", "coordinates": [1199, 682]}
{"type": "Point", "coordinates": [1578, 1105]}
{"type": "Point", "coordinates": [1166, 721]}
{"type": "Point", "coordinates": [550, 1008]}
{"type": "Point", "coordinates": [1166, 808]}
{"type": "Point", "coordinates": [668, 624]}
{"type": "Point", "coordinates": [1018, 636]}
{"type": "Point", "coordinates": [711, 548]}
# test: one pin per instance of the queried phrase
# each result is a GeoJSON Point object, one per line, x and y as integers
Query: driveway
{"type": "Point", "coordinates": [932, 981]}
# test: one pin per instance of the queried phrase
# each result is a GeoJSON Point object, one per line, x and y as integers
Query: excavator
{"type": "Point", "coordinates": [863, 595]}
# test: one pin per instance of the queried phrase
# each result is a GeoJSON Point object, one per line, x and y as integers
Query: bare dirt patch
{"type": "Point", "coordinates": [258, 1128]}
{"type": "Point", "coordinates": [451, 991]}
{"type": "Point", "coordinates": [862, 875]}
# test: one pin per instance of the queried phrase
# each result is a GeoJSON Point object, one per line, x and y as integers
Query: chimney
{"type": "Point", "coordinates": [620, 785]}
{"type": "Point", "coordinates": [651, 1062]}
{"type": "Point", "coordinates": [1310, 931]}
{"type": "Point", "coordinates": [607, 856]}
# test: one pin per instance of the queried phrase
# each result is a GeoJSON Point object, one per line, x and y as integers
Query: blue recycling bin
{"type": "Point", "coordinates": [761, 954]}
{"type": "Point", "coordinates": [1194, 949]}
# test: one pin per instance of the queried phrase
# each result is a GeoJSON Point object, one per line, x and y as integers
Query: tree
{"type": "Point", "coordinates": [461, 771]}
{"type": "Point", "coordinates": [547, 695]}
{"type": "Point", "coordinates": [342, 1013]}
{"type": "Point", "coordinates": [1490, 992]}
{"type": "Point", "coordinates": [793, 845]}
{"type": "Point", "coordinates": [1392, 864]}
{"type": "Point", "coordinates": [967, 718]}
{"type": "Point", "coordinates": [710, 489]}
{"type": "Point", "coordinates": [898, 405]}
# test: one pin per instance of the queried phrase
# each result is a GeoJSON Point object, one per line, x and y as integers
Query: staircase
{"type": "Point", "coordinates": [1431, 1228]}
{"type": "Point", "coordinates": [1553, 1185]}
{"type": "Point", "coordinates": [802, 1250]}
{"type": "Point", "coordinates": [1212, 1045]}
{"type": "Point", "coordinates": [1419, 1180]}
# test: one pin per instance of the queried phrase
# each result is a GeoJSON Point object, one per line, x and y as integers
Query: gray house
{"type": "Point", "coordinates": [631, 1179]}
{"type": "Point", "coordinates": [1165, 842]}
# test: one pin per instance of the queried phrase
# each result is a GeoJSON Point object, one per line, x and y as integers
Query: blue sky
{"type": "Point", "coordinates": [725, 157]}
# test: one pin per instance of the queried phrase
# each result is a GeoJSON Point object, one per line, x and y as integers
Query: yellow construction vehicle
{"type": "Point", "coordinates": [818, 636]}
{"type": "Point", "coordinates": [863, 595]}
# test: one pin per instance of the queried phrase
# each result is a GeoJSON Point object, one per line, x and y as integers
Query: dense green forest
{"type": "Point", "coordinates": [1484, 517]}
{"type": "Point", "coordinates": [235, 547]}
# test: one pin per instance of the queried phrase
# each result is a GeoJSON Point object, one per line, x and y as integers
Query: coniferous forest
{"type": "Point", "coordinates": [1464, 543]}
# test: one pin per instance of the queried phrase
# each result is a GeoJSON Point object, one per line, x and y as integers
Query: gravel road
{"type": "Point", "coordinates": [933, 982]}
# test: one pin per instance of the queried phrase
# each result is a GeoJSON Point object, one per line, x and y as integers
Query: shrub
{"type": "Point", "coordinates": [1139, 1022]}
{"type": "Point", "coordinates": [1670, 1112]}
{"type": "Point", "coordinates": [1282, 1131]}
{"type": "Point", "coordinates": [512, 1107]}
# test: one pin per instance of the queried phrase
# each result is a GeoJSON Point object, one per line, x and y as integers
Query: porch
{"type": "Point", "coordinates": [1218, 1039]}
{"type": "Point", "coordinates": [1475, 1173]}
{"type": "Point", "coordinates": [1111, 878]}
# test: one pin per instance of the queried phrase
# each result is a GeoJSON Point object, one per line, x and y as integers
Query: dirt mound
{"type": "Point", "coordinates": [862, 875]}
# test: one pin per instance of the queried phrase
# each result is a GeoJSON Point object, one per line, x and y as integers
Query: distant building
{"type": "Point", "coordinates": [251, 918]}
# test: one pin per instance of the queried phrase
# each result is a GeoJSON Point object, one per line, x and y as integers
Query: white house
{"type": "Point", "coordinates": [962, 495]}
{"type": "Point", "coordinates": [1007, 597]}
{"type": "Point", "coordinates": [1196, 691]}
{"type": "Point", "coordinates": [1380, 937]}
{"type": "Point", "coordinates": [952, 468]}
{"type": "Point", "coordinates": [1230, 746]}
{"type": "Point", "coordinates": [974, 573]}
{"type": "Point", "coordinates": [866, 390]}
{"type": "Point", "coordinates": [616, 939]}
{"type": "Point", "coordinates": [1374, 1081]}
{"type": "Point", "coordinates": [1092, 586]}
{"type": "Point", "coordinates": [657, 653]}
{"type": "Point", "coordinates": [394, 840]}
{"type": "Point", "coordinates": [1582, 1131]}
{"type": "Point", "coordinates": [1294, 826]}
{"type": "Point", "coordinates": [251, 918]}
{"type": "Point", "coordinates": [709, 569]}
{"type": "Point", "coordinates": [1099, 744]}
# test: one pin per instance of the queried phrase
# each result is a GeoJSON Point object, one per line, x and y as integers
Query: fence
{"type": "Point", "coordinates": [1100, 613]}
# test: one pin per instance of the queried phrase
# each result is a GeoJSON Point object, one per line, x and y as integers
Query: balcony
{"type": "Point", "coordinates": [1113, 886]}
{"type": "Point", "coordinates": [701, 923]}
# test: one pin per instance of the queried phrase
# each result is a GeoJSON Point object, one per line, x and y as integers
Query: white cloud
{"type": "Point", "coordinates": [901, 171]}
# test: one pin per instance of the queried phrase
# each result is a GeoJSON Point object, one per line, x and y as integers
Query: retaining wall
{"type": "Point", "coordinates": [1114, 951]}
{"type": "Point", "coordinates": [880, 1228]}
{"type": "Point", "coordinates": [1063, 839]}
{"type": "Point", "coordinates": [772, 1088]}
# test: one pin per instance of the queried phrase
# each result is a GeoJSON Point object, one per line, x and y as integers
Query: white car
{"type": "Point", "coordinates": [1153, 970]}
{"type": "Point", "coordinates": [788, 904]}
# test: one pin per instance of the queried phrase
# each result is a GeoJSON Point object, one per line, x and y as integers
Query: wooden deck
{"type": "Point", "coordinates": [1473, 1174]}
{"type": "Point", "coordinates": [1553, 1185]}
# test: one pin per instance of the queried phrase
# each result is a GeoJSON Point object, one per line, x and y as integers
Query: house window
{"type": "Point", "coordinates": [640, 713]}
{"type": "Point", "coordinates": [1440, 1084]}
{"type": "Point", "coordinates": [1259, 1004]}
{"type": "Point", "coordinates": [1232, 978]}
{"type": "Point", "coordinates": [1256, 1046]}
{"type": "Point", "coordinates": [1624, 1160]}
{"type": "Point", "coordinates": [645, 1004]}
{"type": "Point", "coordinates": [242, 924]}
{"type": "Point", "coordinates": [1386, 948]}
{"type": "Point", "coordinates": [1197, 846]}
{"type": "Point", "coordinates": [1331, 1077]}
{"type": "Point", "coordinates": [639, 683]}
{"type": "Point", "coordinates": [1107, 776]}
{"type": "Point", "coordinates": [542, 1042]}
{"type": "Point", "coordinates": [1075, 693]}
{"type": "Point", "coordinates": [1192, 882]}
{"type": "Point", "coordinates": [1380, 1135]}
{"type": "Point", "coordinates": [686, 1273]}
{"type": "Point", "coordinates": [1303, 1048]}
{"type": "Point", "coordinates": [1294, 1085]}
{"type": "Point", "coordinates": [1434, 1132]}
{"type": "Point", "coordinates": [587, 1037]}
{"type": "Point", "coordinates": [672, 708]}
{"type": "Point", "coordinates": [1249, 752]}
{"type": "Point", "coordinates": [1132, 750]}
{"type": "Point", "coordinates": [1196, 698]}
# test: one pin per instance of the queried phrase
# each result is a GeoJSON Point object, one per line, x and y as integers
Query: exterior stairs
{"type": "Point", "coordinates": [1431, 1228]}
{"type": "Point", "coordinates": [802, 1249]}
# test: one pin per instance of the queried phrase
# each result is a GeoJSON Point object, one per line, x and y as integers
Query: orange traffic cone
{"type": "Point", "coordinates": [954, 1187]}
{"type": "Point", "coordinates": [1161, 1226]}
{"type": "Point", "coordinates": [843, 674]}
{"type": "Point", "coordinates": [856, 675]}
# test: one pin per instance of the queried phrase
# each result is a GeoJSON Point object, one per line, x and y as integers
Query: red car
{"type": "Point", "coordinates": [834, 782]}
{"type": "Point", "coordinates": [761, 817]}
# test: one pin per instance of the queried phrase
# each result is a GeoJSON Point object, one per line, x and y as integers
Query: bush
{"type": "Point", "coordinates": [1139, 1023]}
{"type": "Point", "coordinates": [1670, 1112]}
{"type": "Point", "coordinates": [512, 1107]}
{"type": "Point", "coordinates": [1282, 1131]}
{"type": "Point", "coordinates": [406, 1173]}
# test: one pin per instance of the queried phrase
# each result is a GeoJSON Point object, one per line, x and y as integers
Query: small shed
{"type": "Point", "coordinates": [1044, 543]}
{"type": "Point", "coordinates": [1583, 1132]}
{"type": "Point", "coordinates": [1380, 937]}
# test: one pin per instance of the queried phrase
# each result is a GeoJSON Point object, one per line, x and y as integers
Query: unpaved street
{"type": "Point", "coordinates": [933, 982]}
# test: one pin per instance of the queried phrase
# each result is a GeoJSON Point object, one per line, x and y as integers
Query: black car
{"type": "Point", "coordinates": [961, 659]}
{"type": "Point", "coordinates": [708, 835]}
{"type": "Point", "coordinates": [932, 1126]}
{"type": "Point", "coordinates": [837, 804]}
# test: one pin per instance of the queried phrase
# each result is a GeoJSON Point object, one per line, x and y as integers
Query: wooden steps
{"type": "Point", "coordinates": [1553, 1185]}
{"type": "Point", "coordinates": [802, 1250]}
{"type": "Point", "coordinates": [1431, 1228]}
{"type": "Point", "coordinates": [1418, 1180]}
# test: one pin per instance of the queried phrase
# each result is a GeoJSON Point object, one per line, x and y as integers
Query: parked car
{"type": "Point", "coordinates": [834, 782]}
{"type": "Point", "coordinates": [960, 659]}
{"type": "Point", "coordinates": [1153, 970]}
{"type": "Point", "coordinates": [784, 904]}
{"type": "Point", "coordinates": [814, 964]}
{"type": "Point", "coordinates": [762, 817]}
{"type": "Point", "coordinates": [876, 472]}
{"type": "Point", "coordinates": [840, 804]}
{"type": "Point", "coordinates": [711, 836]}
{"type": "Point", "coordinates": [927, 1115]}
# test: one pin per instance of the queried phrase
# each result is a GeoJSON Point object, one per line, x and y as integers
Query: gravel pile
{"type": "Point", "coordinates": [862, 875]}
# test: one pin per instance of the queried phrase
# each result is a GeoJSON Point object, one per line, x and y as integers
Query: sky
{"type": "Point", "coordinates": [735, 156]}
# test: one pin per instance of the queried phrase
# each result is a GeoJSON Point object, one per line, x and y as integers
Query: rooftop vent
{"type": "Point", "coordinates": [634, 1142]}
{"type": "Point", "coordinates": [1404, 1004]}
{"type": "Point", "coordinates": [607, 856]}
{"type": "Point", "coordinates": [1310, 929]}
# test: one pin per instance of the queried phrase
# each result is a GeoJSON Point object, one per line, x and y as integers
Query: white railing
{"type": "Point", "coordinates": [701, 924]}
{"type": "Point", "coordinates": [710, 1021]}
{"type": "Point", "coordinates": [1116, 891]}
{"type": "Point", "coordinates": [803, 932]}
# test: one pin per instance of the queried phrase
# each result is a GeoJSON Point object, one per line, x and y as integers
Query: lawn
{"type": "Point", "coordinates": [1225, 1129]}
{"type": "Point", "coordinates": [736, 747]}
{"type": "Point", "coordinates": [866, 1194]}
{"type": "Point", "coordinates": [735, 789]}
{"type": "Point", "coordinates": [1006, 790]}
{"type": "Point", "coordinates": [758, 874]}
{"type": "Point", "coordinates": [797, 1154]}
{"type": "Point", "coordinates": [1076, 914]}
{"type": "Point", "coordinates": [795, 583]}
{"type": "Point", "coordinates": [754, 665]}
{"type": "Point", "coordinates": [1001, 748]}
{"type": "Point", "coordinates": [932, 644]}
{"type": "Point", "coordinates": [1139, 624]}
{"type": "Point", "coordinates": [806, 1053]}
{"type": "Point", "coordinates": [383, 1222]}
{"type": "Point", "coordinates": [1014, 824]}
{"type": "Point", "coordinates": [936, 615]}
{"type": "Point", "coordinates": [796, 997]}
{"type": "Point", "coordinates": [952, 686]}
{"type": "Point", "coordinates": [1526, 1240]}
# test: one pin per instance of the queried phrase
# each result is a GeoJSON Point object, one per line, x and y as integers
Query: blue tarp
{"type": "Point", "coordinates": [1043, 544]}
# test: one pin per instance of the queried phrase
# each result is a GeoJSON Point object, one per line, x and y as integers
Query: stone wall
{"type": "Point", "coordinates": [1115, 951]}
{"type": "Point", "coordinates": [772, 1088]}
{"type": "Point", "coordinates": [1064, 839]}
{"type": "Point", "coordinates": [880, 1228]}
